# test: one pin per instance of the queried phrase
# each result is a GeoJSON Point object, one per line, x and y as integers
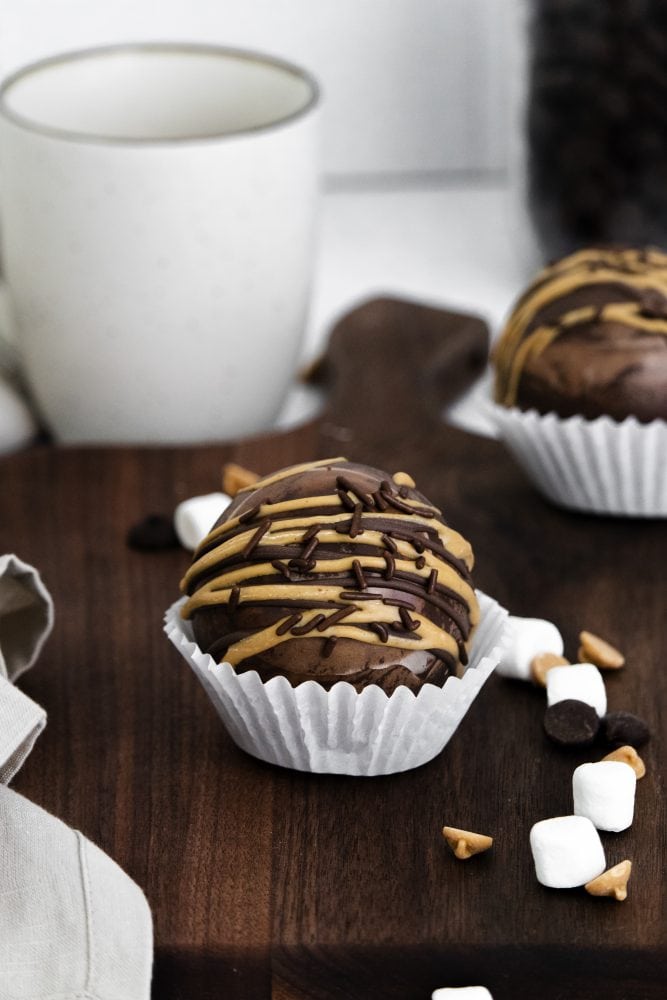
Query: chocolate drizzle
{"type": "Point", "coordinates": [375, 562]}
{"type": "Point", "coordinates": [346, 595]}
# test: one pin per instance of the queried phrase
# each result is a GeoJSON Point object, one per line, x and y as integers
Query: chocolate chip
{"type": "Point", "coordinates": [571, 723]}
{"type": "Point", "coordinates": [624, 729]}
{"type": "Point", "coordinates": [154, 532]}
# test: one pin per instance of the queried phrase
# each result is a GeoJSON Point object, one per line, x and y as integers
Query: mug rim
{"type": "Point", "coordinates": [196, 48]}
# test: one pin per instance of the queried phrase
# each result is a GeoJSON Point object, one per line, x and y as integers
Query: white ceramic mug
{"type": "Point", "coordinates": [157, 217]}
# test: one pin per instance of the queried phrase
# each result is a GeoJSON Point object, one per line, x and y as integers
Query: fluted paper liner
{"type": "Point", "coordinates": [602, 466]}
{"type": "Point", "coordinates": [342, 731]}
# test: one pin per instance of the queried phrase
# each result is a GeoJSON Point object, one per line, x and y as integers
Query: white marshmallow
{"type": "Point", "coordinates": [580, 681]}
{"type": "Point", "coordinates": [605, 793]}
{"type": "Point", "coordinates": [567, 851]}
{"type": "Point", "coordinates": [461, 993]}
{"type": "Point", "coordinates": [194, 518]}
{"type": "Point", "coordinates": [528, 637]}
{"type": "Point", "coordinates": [18, 425]}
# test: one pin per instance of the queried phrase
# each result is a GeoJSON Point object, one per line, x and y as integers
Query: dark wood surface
{"type": "Point", "coordinates": [267, 882]}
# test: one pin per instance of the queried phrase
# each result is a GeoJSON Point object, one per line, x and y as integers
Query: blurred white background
{"type": "Point", "coordinates": [412, 86]}
{"type": "Point", "coordinates": [419, 129]}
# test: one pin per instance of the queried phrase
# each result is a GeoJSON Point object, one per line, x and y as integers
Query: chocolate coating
{"type": "Point", "coordinates": [589, 337]}
{"type": "Point", "coordinates": [334, 571]}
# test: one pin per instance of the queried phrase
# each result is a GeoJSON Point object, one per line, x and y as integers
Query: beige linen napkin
{"type": "Point", "coordinates": [73, 925]}
{"type": "Point", "coordinates": [26, 618]}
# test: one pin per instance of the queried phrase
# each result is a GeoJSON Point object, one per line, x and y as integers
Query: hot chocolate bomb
{"type": "Point", "coordinates": [589, 337]}
{"type": "Point", "coordinates": [334, 571]}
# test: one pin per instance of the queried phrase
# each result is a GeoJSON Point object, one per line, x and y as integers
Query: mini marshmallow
{"type": "Point", "coordinates": [581, 682]}
{"type": "Point", "coordinates": [567, 851]}
{"type": "Point", "coordinates": [528, 638]}
{"type": "Point", "coordinates": [18, 425]}
{"type": "Point", "coordinates": [605, 793]}
{"type": "Point", "coordinates": [194, 518]}
{"type": "Point", "coordinates": [461, 993]}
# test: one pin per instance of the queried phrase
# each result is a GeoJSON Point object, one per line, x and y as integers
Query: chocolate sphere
{"type": "Point", "coordinates": [334, 571]}
{"type": "Point", "coordinates": [589, 337]}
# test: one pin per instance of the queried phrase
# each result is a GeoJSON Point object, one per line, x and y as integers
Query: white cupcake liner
{"type": "Point", "coordinates": [342, 731]}
{"type": "Point", "coordinates": [602, 466]}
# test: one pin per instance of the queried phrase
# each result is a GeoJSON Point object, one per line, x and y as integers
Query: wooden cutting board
{"type": "Point", "coordinates": [269, 882]}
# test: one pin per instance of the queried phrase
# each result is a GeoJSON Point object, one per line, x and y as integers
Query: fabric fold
{"type": "Point", "coordinates": [73, 924]}
{"type": "Point", "coordinates": [26, 619]}
{"type": "Point", "coordinates": [26, 616]}
{"type": "Point", "coordinates": [21, 722]}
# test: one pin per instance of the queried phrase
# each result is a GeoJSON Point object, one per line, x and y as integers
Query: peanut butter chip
{"type": "Point", "coordinates": [403, 479]}
{"type": "Point", "coordinates": [541, 664]}
{"type": "Point", "coordinates": [628, 755]}
{"type": "Point", "coordinates": [613, 882]}
{"type": "Point", "coordinates": [595, 650]}
{"type": "Point", "coordinates": [236, 478]}
{"type": "Point", "coordinates": [464, 843]}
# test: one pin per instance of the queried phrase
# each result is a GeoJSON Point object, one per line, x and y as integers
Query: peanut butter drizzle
{"type": "Point", "coordinates": [432, 638]}
{"type": "Point", "coordinates": [291, 532]}
{"type": "Point", "coordinates": [216, 591]}
{"type": "Point", "coordinates": [329, 500]}
{"type": "Point", "coordinates": [643, 271]}
{"type": "Point", "coordinates": [413, 558]}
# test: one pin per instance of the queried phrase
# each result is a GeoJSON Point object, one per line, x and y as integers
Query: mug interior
{"type": "Point", "coordinates": [154, 93]}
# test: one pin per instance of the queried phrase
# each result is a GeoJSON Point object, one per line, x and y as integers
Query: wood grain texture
{"type": "Point", "coordinates": [269, 882]}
